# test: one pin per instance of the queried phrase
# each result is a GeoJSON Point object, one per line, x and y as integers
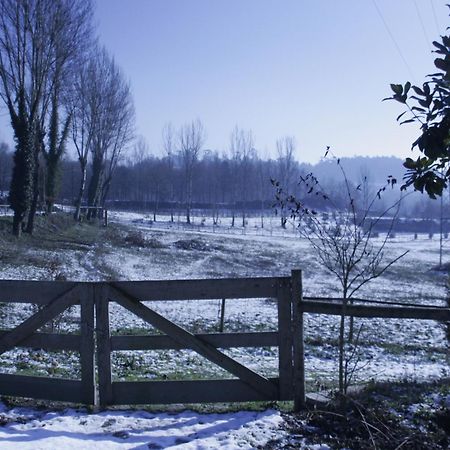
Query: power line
{"type": "Point", "coordinates": [393, 40]}
{"type": "Point", "coordinates": [438, 28]}
{"type": "Point", "coordinates": [422, 26]}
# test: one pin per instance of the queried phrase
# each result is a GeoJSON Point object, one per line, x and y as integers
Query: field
{"type": "Point", "coordinates": [134, 248]}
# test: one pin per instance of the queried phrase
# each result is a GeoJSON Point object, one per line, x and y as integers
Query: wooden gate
{"type": "Point", "coordinates": [95, 340]}
{"type": "Point", "coordinates": [52, 299]}
{"type": "Point", "coordinates": [247, 384]}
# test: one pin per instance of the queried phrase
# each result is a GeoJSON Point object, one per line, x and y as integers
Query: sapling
{"type": "Point", "coordinates": [344, 245]}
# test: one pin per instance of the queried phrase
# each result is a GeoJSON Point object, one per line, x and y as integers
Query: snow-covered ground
{"type": "Point", "coordinates": [399, 349]}
{"type": "Point", "coordinates": [29, 429]}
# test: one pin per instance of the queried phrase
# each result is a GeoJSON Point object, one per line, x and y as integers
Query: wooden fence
{"type": "Point", "coordinates": [95, 343]}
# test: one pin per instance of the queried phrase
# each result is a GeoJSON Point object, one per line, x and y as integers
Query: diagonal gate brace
{"type": "Point", "coordinates": [48, 312]}
{"type": "Point", "coordinates": [257, 382]}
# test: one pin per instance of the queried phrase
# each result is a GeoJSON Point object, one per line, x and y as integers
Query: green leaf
{"type": "Point", "coordinates": [442, 64]}
{"type": "Point", "coordinates": [418, 91]}
{"type": "Point", "coordinates": [402, 114]}
{"type": "Point", "coordinates": [441, 48]}
{"type": "Point", "coordinates": [409, 164]}
{"type": "Point", "coordinates": [407, 87]}
{"type": "Point", "coordinates": [397, 88]}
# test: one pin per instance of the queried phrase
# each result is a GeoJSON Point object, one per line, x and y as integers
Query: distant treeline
{"type": "Point", "coordinates": [233, 185]}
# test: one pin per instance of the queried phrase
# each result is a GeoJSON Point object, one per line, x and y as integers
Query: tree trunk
{"type": "Point", "coordinates": [80, 193]}
{"type": "Point", "coordinates": [17, 225]}
{"type": "Point", "coordinates": [342, 374]}
{"type": "Point", "coordinates": [94, 185]}
{"type": "Point", "coordinates": [20, 192]}
{"type": "Point", "coordinates": [351, 326]}
{"type": "Point", "coordinates": [52, 182]}
{"type": "Point", "coordinates": [35, 196]}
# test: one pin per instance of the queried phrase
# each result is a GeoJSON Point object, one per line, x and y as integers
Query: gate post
{"type": "Point", "coordinates": [87, 345]}
{"type": "Point", "coordinates": [299, 343]}
{"type": "Point", "coordinates": [103, 344]}
{"type": "Point", "coordinates": [285, 356]}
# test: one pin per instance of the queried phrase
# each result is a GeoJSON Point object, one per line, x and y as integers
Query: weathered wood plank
{"type": "Point", "coordinates": [180, 335]}
{"type": "Point", "coordinates": [87, 349]}
{"type": "Point", "coordinates": [198, 391]}
{"type": "Point", "coordinates": [40, 387]}
{"type": "Point", "coordinates": [39, 292]}
{"type": "Point", "coordinates": [220, 340]}
{"type": "Point", "coordinates": [299, 342]}
{"type": "Point", "coordinates": [101, 292]}
{"type": "Point", "coordinates": [285, 341]}
{"type": "Point", "coordinates": [200, 289]}
{"type": "Point", "coordinates": [50, 341]}
{"type": "Point", "coordinates": [48, 312]}
{"type": "Point", "coordinates": [388, 312]}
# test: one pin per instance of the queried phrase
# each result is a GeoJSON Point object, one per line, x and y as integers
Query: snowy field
{"type": "Point", "coordinates": [138, 249]}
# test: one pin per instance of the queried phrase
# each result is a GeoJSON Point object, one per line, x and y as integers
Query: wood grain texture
{"type": "Point", "coordinates": [388, 312]}
{"type": "Point", "coordinates": [39, 292]}
{"type": "Point", "coordinates": [199, 391]}
{"type": "Point", "coordinates": [200, 289]}
{"type": "Point", "coordinates": [87, 349]}
{"type": "Point", "coordinates": [285, 340]}
{"type": "Point", "coordinates": [40, 387]}
{"type": "Point", "coordinates": [103, 344]}
{"type": "Point", "coordinates": [219, 340]}
{"type": "Point", "coordinates": [299, 341]}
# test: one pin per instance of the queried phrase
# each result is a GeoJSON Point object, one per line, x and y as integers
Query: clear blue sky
{"type": "Point", "coordinates": [314, 69]}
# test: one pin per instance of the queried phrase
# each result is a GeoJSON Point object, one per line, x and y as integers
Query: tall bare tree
{"type": "Point", "coordinates": [110, 119]}
{"type": "Point", "coordinates": [85, 108]}
{"type": "Point", "coordinates": [37, 40]}
{"type": "Point", "coordinates": [71, 51]}
{"type": "Point", "coordinates": [285, 168]}
{"type": "Point", "coordinates": [191, 138]}
{"type": "Point", "coordinates": [168, 140]}
{"type": "Point", "coordinates": [242, 152]}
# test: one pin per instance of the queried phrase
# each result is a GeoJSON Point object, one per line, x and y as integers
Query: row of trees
{"type": "Point", "coordinates": [57, 82]}
{"type": "Point", "coordinates": [189, 175]}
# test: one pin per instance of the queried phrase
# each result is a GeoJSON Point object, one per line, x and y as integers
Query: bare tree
{"type": "Point", "coordinates": [137, 161]}
{"type": "Point", "coordinates": [71, 50]}
{"type": "Point", "coordinates": [38, 39]}
{"type": "Point", "coordinates": [242, 151]}
{"type": "Point", "coordinates": [286, 168]}
{"type": "Point", "coordinates": [122, 129]}
{"type": "Point", "coordinates": [85, 108]}
{"type": "Point", "coordinates": [191, 138]}
{"type": "Point", "coordinates": [168, 139]}
{"type": "Point", "coordinates": [112, 126]}
{"type": "Point", "coordinates": [345, 245]}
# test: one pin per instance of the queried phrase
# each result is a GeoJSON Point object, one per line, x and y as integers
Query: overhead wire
{"type": "Point", "coordinates": [422, 25]}
{"type": "Point", "coordinates": [436, 22]}
{"type": "Point", "coordinates": [394, 41]}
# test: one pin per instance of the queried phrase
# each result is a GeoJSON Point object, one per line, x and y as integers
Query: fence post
{"type": "Point", "coordinates": [103, 344]}
{"type": "Point", "coordinates": [285, 339]}
{"type": "Point", "coordinates": [222, 315]}
{"type": "Point", "coordinates": [87, 346]}
{"type": "Point", "coordinates": [299, 343]}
